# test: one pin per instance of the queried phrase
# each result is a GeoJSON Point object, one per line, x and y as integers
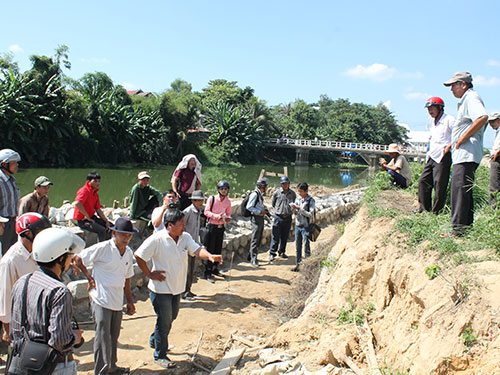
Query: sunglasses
{"type": "Point", "coordinates": [223, 188]}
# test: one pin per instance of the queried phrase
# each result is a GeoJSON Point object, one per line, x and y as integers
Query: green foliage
{"type": "Point", "coordinates": [433, 271]}
{"type": "Point", "coordinates": [469, 338]}
{"type": "Point", "coordinates": [329, 263]}
{"type": "Point", "coordinates": [350, 314]}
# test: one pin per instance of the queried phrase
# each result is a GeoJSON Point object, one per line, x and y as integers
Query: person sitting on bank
{"type": "Point", "coordinates": [494, 120]}
{"type": "Point", "coordinates": [398, 167]}
{"type": "Point", "coordinates": [143, 198]}
{"type": "Point", "coordinates": [87, 205]}
{"type": "Point", "coordinates": [186, 179]}
{"type": "Point", "coordinates": [37, 201]}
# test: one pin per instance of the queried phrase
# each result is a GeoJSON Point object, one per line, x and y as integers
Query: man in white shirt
{"type": "Point", "coordinates": [467, 149]}
{"type": "Point", "coordinates": [494, 120]}
{"type": "Point", "coordinates": [168, 251]}
{"type": "Point", "coordinates": [436, 173]}
{"type": "Point", "coordinates": [169, 198]}
{"type": "Point", "coordinates": [113, 263]}
{"type": "Point", "coordinates": [18, 261]}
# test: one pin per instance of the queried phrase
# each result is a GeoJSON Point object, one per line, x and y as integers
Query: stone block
{"type": "Point", "coordinates": [78, 289]}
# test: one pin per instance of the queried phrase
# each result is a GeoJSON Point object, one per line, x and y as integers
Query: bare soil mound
{"type": "Point", "coordinates": [448, 325]}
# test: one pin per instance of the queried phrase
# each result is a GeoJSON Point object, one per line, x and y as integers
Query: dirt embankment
{"type": "Point", "coordinates": [419, 326]}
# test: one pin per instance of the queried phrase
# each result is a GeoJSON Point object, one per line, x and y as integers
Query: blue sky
{"type": "Point", "coordinates": [393, 52]}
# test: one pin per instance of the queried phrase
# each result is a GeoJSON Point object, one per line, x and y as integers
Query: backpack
{"type": "Point", "coordinates": [244, 211]}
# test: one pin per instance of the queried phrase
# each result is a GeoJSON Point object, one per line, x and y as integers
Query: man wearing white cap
{"type": "Point", "coordinates": [398, 167]}
{"type": "Point", "coordinates": [467, 149]}
{"type": "Point", "coordinates": [37, 201]}
{"type": "Point", "coordinates": [143, 198]}
{"type": "Point", "coordinates": [494, 120]}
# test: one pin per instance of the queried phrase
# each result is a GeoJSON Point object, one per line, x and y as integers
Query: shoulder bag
{"type": "Point", "coordinates": [313, 229]}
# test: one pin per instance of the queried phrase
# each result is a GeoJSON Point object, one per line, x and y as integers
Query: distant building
{"type": "Point", "coordinates": [417, 139]}
{"type": "Point", "coordinates": [139, 92]}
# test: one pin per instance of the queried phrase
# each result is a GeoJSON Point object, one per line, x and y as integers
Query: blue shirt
{"type": "Point", "coordinates": [9, 195]}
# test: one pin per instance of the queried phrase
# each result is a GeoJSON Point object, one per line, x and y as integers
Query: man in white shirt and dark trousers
{"type": "Point", "coordinates": [436, 173]}
{"type": "Point", "coordinates": [168, 251]}
{"type": "Point", "coordinates": [113, 263]}
{"type": "Point", "coordinates": [192, 214]}
{"type": "Point", "coordinates": [467, 152]}
{"type": "Point", "coordinates": [256, 207]}
{"type": "Point", "coordinates": [494, 120]}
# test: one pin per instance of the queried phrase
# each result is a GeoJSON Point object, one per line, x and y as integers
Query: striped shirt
{"type": "Point", "coordinates": [48, 301]}
{"type": "Point", "coordinates": [9, 195]}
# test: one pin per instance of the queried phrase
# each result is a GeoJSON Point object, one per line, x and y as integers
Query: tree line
{"type": "Point", "coordinates": [56, 121]}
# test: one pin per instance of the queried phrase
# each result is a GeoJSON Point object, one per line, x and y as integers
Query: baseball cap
{"type": "Point", "coordinates": [459, 76]}
{"type": "Point", "coordinates": [494, 116]}
{"type": "Point", "coordinates": [43, 181]}
{"type": "Point", "coordinates": [143, 174]}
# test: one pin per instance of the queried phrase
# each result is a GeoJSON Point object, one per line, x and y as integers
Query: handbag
{"type": "Point", "coordinates": [35, 357]}
{"type": "Point", "coordinates": [313, 229]}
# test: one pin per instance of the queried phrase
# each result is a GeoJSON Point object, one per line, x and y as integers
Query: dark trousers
{"type": "Point", "coordinates": [257, 230]}
{"type": "Point", "coordinates": [9, 236]}
{"type": "Point", "coordinates": [98, 226]}
{"type": "Point", "coordinates": [280, 232]}
{"type": "Point", "coordinates": [166, 307]}
{"type": "Point", "coordinates": [398, 179]}
{"type": "Point", "coordinates": [185, 202]}
{"type": "Point", "coordinates": [107, 331]}
{"type": "Point", "coordinates": [434, 176]}
{"type": "Point", "coordinates": [494, 182]}
{"type": "Point", "coordinates": [152, 204]}
{"type": "Point", "coordinates": [190, 273]}
{"type": "Point", "coordinates": [462, 203]}
{"type": "Point", "coordinates": [213, 244]}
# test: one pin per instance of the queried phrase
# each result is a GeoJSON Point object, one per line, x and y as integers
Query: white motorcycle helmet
{"type": "Point", "coordinates": [7, 155]}
{"type": "Point", "coordinates": [51, 243]}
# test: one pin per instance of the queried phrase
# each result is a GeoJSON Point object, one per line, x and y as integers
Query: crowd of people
{"type": "Point", "coordinates": [36, 307]}
{"type": "Point", "coordinates": [185, 224]}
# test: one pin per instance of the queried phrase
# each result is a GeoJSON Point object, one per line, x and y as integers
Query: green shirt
{"type": "Point", "coordinates": [139, 199]}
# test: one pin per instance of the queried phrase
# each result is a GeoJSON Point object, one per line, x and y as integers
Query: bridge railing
{"type": "Point", "coordinates": [344, 146]}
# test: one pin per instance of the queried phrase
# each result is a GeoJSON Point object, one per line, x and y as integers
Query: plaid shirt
{"type": "Point", "coordinates": [9, 195]}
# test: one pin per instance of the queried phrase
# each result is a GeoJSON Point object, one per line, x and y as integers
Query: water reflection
{"type": "Point", "coordinates": [116, 183]}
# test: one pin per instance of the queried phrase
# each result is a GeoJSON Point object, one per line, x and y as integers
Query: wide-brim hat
{"type": "Point", "coordinates": [197, 194]}
{"type": "Point", "coordinates": [393, 147]}
{"type": "Point", "coordinates": [459, 77]}
{"type": "Point", "coordinates": [124, 225]}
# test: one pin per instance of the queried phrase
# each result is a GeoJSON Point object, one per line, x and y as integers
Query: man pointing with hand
{"type": "Point", "coordinates": [168, 251]}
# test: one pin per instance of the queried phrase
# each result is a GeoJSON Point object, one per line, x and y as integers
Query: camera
{"type": "Point", "coordinates": [174, 205]}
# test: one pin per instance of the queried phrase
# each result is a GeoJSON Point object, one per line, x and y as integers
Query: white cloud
{"type": "Point", "coordinates": [493, 62]}
{"type": "Point", "coordinates": [483, 81]}
{"type": "Point", "coordinates": [15, 48]}
{"type": "Point", "coordinates": [417, 95]}
{"type": "Point", "coordinates": [379, 73]}
{"type": "Point", "coordinates": [374, 72]}
{"type": "Point", "coordinates": [130, 86]}
{"type": "Point", "coordinates": [95, 60]}
{"type": "Point", "coordinates": [387, 104]}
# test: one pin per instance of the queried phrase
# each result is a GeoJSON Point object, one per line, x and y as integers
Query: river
{"type": "Point", "coordinates": [116, 183]}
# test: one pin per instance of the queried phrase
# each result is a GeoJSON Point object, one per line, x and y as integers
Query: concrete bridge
{"type": "Point", "coordinates": [368, 151]}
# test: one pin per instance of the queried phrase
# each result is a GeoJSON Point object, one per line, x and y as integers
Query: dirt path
{"type": "Point", "coordinates": [246, 303]}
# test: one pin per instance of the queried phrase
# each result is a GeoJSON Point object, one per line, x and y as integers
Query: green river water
{"type": "Point", "coordinates": [116, 183]}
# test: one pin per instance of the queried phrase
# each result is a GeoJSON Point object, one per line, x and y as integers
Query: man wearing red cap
{"type": "Point", "coordinates": [436, 173]}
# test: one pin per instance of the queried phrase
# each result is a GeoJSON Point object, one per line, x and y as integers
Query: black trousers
{"type": "Point", "coordinates": [281, 230]}
{"type": "Point", "coordinates": [257, 231]}
{"type": "Point", "coordinates": [9, 236]}
{"type": "Point", "coordinates": [97, 226]}
{"type": "Point", "coordinates": [434, 176]}
{"type": "Point", "coordinates": [462, 203]}
{"type": "Point", "coordinates": [213, 243]}
{"type": "Point", "coordinates": [494, 182]}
